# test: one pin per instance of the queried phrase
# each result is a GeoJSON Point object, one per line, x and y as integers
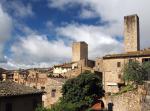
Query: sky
{"type": "Point", "coordinates": [40, 33]}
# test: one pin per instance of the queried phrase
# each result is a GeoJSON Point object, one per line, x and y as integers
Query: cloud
{"type": "Point", "coordinates": [11, 64]}
{"type": "Point", "coordinates": [113, 12]}
{"type": "Point", "coordinates": [5, 30]}
{"type": "Point", "coordinates": [18, 9]}
{"type": "Point", "coordinates": [62, 3]}
{"type": "Point", "coordinates": [37, 51]}
{"type": "Point", "coordinates": [99, 42]}
{"type": "Point", "coordinates": [87, 13]}
{"type": "Point", "coordinates": [49, 24]}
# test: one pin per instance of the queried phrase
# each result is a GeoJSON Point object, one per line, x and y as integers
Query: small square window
{"type": "Point", "coordinates": [119, 76]}
{"type": "Point", "coordinates": [53, 93]}
{"type": "Point", "coordinates": [118, 64]}
{"type": "Point", "coordinates": [42, 87]}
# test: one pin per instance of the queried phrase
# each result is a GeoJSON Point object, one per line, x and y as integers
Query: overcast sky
{"type": "Point", "coordinates": [39, 33]}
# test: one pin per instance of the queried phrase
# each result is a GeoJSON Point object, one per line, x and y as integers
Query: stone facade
{"type": "Point", "coordinates": [137, 100]}
{"type": "Point", "coordinates": [51, 85]}
{"type": "Point", "coordinates": [112, 66]}
{"type": "Point", "coordinates": [61, 69]}
{"type": "Point", "coordinates": [131, 33]}
{"type": "Point", "coordinates": [79, 51]}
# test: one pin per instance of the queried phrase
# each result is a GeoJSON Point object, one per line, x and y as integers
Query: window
{"type": "Point", "coordinates": [42, 87]}
{"type": "Point", "coordinates": [8, 107]}
{"type": "Point", "coordinates": [53, 93]}
{"type": "Point", "coordinates": [130, 60]}
{"type": "Point", "coordinates": [119, 76]}
{"type": "Point", "coordinates": [118, 64]}
{"type": "Point", "coordinates": [146, 60]}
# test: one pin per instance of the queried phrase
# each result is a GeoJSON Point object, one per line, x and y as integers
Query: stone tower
{"type": "Point", "coordinates": [131, 33]}
{"type": "Point", "coordinates": [79, 51]}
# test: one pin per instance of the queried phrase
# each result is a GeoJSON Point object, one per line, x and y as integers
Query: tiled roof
{"type": "Point", "coordinates": [141, 53]}
{"type": "Point", "coordinates": [2, 70]}
{"type": "Point", "coordinates": [8, 88]}
{"type": "Point", "coordinates": [65, 65]}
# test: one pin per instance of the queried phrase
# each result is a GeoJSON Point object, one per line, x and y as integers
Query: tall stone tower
{"type": "Point", "coordinates": [131, 33]}
{"type": "Point", "coordinates": [79, 51]}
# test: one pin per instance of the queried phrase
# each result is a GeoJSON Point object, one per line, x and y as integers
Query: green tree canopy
{"type": "Point", "coordinates": [135, 72]}
{"type": "Point", "coordinates": [146, 67]}
{"type": "Point", "coordinates": [83, 90]}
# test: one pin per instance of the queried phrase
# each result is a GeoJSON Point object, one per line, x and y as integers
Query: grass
{"type": "Point", "coordinates": [125, 89]}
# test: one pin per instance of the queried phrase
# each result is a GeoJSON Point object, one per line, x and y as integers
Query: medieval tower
{"type": "Point", "coordinates": [79, 51]}
{"type": "Point", "coordinates": [131, 33]}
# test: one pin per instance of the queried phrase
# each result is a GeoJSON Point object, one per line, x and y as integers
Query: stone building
{"type": "Point", "coordinates": [80, 62]}
{"type": "Point", "coordinates": [51, 85]}
{"type": "Point", "coordinates": [16, 97]}
{"type": "Point", "coordinates": [20, 76]}
{"type": "Point", "coordinates": [111, 65]}
{"type": "Point", "coordinates": [2, 71]}
{"type": "Point", "coordinates": [61, 69]}
{"type": "Point", "coordinates": [131, 33]}
{"type": "Point", "coordinates": [53, 93]}
{"type": "Point", "coordinates": [79, 51]}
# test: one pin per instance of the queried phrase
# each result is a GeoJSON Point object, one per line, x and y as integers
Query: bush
{"type": "Point", "coordinates": [134, 73]}
{"type": "Point", "coordinates": [82, 91]}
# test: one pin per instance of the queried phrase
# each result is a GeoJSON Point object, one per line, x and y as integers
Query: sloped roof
{"type": "Point", "coordinates": [65, 65]}
{"type": "Point", "coordinates": [8, 88]}
{"type": "Point", "coordinates": [141, 53]}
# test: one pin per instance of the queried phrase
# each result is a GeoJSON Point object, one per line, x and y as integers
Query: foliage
{"type": "Point", "coordinates": [125, 89]}
{"type": "Point", "coordinates": [82, 90]}
{"type": "Point", "coordinates": [134, 73]}
{"type": "Point", "coordinates": [64, 107]}
{"type": "Point", "coordinates": [40, 108]}
{"type": "Point", "coordinates": [79, 93]}
{"type": "Point", "coordinates": [146, 67]}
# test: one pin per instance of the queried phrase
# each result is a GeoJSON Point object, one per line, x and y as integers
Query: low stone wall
{"type": "Point", "coordinates": [126, 102]}
{"type": "Point", "coordinates": [137, 100]}
{"type": "Point", "coordinates": [145, 105]}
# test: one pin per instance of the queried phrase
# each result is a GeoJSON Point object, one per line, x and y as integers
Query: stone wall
{"type": "Point", "coordinates": [137, 100]}
{"type": "Point", "coordinates": [126, 102]}
{"type": "Point", "coordinates": [79, 51]}
{"type": "Point", "coordinates": [131, 33]}
{"type": "Point", "coordinates": [145, 105]}
{"type": "Point", "coordinates": [112, 71]}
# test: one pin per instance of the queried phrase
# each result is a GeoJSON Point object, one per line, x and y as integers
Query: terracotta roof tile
{"type": "Point", "coordinates": [8, 88]}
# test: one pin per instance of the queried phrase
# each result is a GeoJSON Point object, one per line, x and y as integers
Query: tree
{"type": "Point", "coordinates": [83, 90]}
{"type": "Point", "coordinates": [146, 67]}
{"type": "Point", "coordinates": [134, 73]}
{"type": "Point", "coordinates": [78, 93]}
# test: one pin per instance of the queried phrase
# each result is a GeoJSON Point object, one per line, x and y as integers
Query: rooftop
{"type": "Point", "coordinates": [141, 53]}
{"type": "Point", "coordinates": [65, 65]}
{"type": "Point", "coordinates": [8, 88]}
